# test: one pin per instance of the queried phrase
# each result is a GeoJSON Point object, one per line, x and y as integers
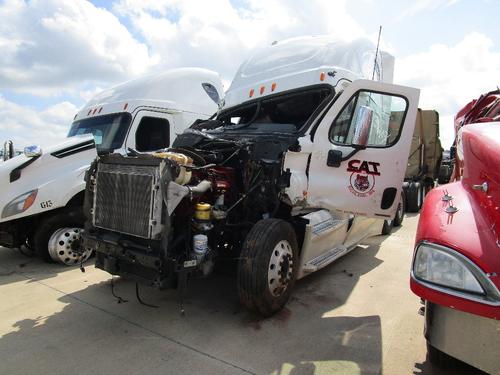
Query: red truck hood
{"type": "Point", "coordinates": [474, 230]}
{"type": "Point", "coordinates": [480, 145]}
{"type": "Point", "coordinates": [468, 231]}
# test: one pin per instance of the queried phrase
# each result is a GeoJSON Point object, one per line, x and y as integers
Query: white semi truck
{"type": "Point", "coordinates": [303, 162]}
{"type": "Point", "coordinates": [41, 192]}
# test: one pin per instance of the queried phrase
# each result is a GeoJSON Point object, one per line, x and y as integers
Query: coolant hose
{"type": "Point", "coordinates": [201, 188]}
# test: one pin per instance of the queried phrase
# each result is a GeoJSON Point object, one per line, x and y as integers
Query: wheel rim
{"type": "Point", "coordinates": [280, 269]}
{"type": "Point", "coordinates": [65, 246]}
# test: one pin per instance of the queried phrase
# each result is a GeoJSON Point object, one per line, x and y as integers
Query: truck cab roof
{"type": "Point", "coordinates": [184, 89]}
{"type": "Point", "coordinates": [306, 61]}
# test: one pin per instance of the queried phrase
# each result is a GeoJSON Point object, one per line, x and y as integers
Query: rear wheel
{"type": "Point", "coordinates": [415, 196]}
{"type": "Point", "coordinates": [267, 267]}
{"type": "Point", "coordinates": [57, 238]}
{"type": "Point", "coordinates": [400, 211]}
{"type": "Point", "coordinates": [387, 228]}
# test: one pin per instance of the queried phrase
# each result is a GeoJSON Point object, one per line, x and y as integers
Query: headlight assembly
{"type": "Point", "coordinates": [438, 266]}
{"type": "Point", "coordinates": [447, 271]}
{"type": "Point", "coordinates": [19, 204]}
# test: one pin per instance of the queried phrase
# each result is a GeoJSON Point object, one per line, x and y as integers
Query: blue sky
{"type": "Point", "coordinates": [56, 54]}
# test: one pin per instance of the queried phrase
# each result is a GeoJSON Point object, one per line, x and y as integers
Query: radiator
{"type": "Point", "coordinates": [127, 199]}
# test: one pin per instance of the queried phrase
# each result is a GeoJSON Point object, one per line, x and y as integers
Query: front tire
{"type": "Point", "coordinates": [57, 238]}
{"type": "Point", "coordinates": [268, 266]}
{"type": "Point", "coordinates": [439, 358]}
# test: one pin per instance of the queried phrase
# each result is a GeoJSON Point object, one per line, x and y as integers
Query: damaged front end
{"type": "Point", "coordinates": [218, 198]}
{"type": "Point", "coordinates": [155, 218]}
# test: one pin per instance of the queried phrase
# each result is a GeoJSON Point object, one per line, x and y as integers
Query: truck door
{"type": "Point", "coordinates": [150, 131]}
{"type": "Point", "coordinates": [359, 149]}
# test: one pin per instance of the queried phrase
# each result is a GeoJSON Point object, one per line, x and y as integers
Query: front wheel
{"type": "Point", "coordinates": [58, 237]}
{"type": "Point", "coordinates": [439, 358]}
{"type": "Point", "coordinates": [268, 266]}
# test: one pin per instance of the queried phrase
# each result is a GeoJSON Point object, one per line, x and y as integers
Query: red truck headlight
{"type": "Point", "coordinates": [446, 268]}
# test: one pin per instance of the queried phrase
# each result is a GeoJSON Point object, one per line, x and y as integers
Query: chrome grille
{"type": "Point", "coordinates": [126, 200]}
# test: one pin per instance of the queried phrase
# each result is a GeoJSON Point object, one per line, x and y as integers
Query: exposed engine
{"type": "Point", "coordinates": [155, 216]}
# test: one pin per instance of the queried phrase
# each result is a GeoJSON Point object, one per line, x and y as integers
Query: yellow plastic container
{"type": "Point", "coordinates": [203, 211]}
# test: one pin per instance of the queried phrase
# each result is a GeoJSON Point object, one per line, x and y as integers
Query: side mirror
{"type": "Point", "coordinates": [32, 151]}
{"type": "Point", "coordinates": [362, 124]}
{"type": "Point", "coordinates": [8, 150]}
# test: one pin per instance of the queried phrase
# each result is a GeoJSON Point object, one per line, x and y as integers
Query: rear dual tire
{"type": "Point", "coordinates": [415, 196]}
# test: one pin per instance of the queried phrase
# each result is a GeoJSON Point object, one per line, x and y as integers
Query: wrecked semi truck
{"type": "Point", "coordinates": [42, 191]}
{"type": "Point", "coordinates": [296, 169]}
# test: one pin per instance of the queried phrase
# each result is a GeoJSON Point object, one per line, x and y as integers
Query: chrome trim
{"type": "Point", "coordinates": [454, 292]}
{"type": "Point", "coordinates": [492, 295]}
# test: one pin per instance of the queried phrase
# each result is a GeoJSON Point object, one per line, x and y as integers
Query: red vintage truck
{"type": "Point", "coordinates": [456, 262]}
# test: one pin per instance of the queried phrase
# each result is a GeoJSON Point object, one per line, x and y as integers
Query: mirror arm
{"type": "Point", "coordinates": [335, 157]}
{"type": "Point", "coordinates": [357, 148]}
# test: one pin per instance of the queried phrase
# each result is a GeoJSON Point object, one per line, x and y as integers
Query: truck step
{"type": "Point", "coordinates": [325, 259]}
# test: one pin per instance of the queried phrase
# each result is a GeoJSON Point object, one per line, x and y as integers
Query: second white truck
{"type": "Point", "coordinates": [41, 191]}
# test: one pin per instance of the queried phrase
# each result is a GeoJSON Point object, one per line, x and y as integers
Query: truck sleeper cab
{"type": "Point", "coordinates": [42, 192]}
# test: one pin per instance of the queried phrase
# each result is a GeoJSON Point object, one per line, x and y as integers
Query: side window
{"type": "Point", "coordinates": [152, 134]}
{"type": "Point", "coordinates": [370, 119]}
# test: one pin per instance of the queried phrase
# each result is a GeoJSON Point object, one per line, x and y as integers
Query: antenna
{"type": "Point", "coordinates": [376, 52]}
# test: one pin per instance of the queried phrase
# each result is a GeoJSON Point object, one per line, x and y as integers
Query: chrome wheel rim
{"type": "Point", "coordinates": [65, 246]}
{"type": "Point", "coordinates": [280, 268]}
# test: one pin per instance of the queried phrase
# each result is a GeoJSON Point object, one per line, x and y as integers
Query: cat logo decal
{"type": "Point", "coordinates": [362, 179]}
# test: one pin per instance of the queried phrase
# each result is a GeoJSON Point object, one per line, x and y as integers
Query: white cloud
{"type": "Point", "coordinates": [426, 5]}
{"type": "Point", "coordinates": [218, 36]}
{"type": "Point", "coordinates": [451, 76]}
{"type": "Point", "coordinates": [25, 126]}
{"type": "Point", "coordinates": [51, 46]}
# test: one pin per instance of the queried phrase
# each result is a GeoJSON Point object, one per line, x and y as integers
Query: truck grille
{"type": "Point", "coordinates": [126, 200]}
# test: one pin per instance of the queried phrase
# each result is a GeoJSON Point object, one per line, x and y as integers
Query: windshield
{"type": "Point", "coordinates": [109, 131]}
{"type": "Point", "coordinates": [293, 109]}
